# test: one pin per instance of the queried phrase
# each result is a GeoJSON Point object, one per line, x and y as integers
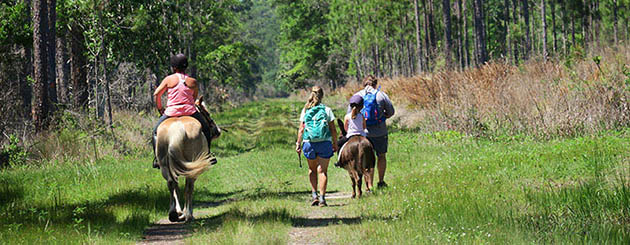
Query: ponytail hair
{"type": "Point", "coordinates": [317, 93]}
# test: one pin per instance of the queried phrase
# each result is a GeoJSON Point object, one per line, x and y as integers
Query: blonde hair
{"type": "Point", "coordinates": [370, 80]}
{"type": "Point", "coordinates": [317, 93]}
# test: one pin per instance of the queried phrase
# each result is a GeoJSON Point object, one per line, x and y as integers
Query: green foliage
{"type": "Point", "coordinates": [15, 26]}
{"type": "Point", "coordinates": [302, 41]}
{"type": "Point", "coordinates": [231, 65]}
{"type": "Point", "coordinates": [12, 153]}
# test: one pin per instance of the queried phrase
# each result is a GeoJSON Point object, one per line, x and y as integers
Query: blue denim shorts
{"type": "Point", "coordinates": [313, 150]}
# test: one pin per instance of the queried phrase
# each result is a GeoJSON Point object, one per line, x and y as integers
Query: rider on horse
{"type": "Point", "coordinates": [182, 91]}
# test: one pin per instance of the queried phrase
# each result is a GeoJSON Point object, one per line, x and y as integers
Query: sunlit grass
{"type": "Point", "coordinates": [445, 187]}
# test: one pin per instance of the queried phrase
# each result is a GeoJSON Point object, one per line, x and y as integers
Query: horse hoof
{"type": "Point", "coordinates": [173, 217]}
{"type": "Point", "coordinates": [189, 219]}
{"type": "Point", "coordinates": [185, 218]}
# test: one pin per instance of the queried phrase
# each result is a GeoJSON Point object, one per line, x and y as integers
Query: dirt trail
{"type": "Point", "coordinates": [306, 230]}
{"type": "Point", "coordinates": [312, 228]}
{"type": "Point", "coordinates": [167, 232]}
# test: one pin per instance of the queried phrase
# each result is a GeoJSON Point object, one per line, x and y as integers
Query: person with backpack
{"type": "Point", "coordinates": [377, 108]}
{"type": "Point", "coordinates": [317, 139]}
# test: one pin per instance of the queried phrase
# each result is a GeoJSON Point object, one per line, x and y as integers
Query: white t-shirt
{"type": "Point", "coordinates": [329, 113]}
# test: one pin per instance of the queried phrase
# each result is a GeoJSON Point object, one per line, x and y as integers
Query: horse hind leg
{"type": "Point", "coordinates": [174, 209]}
{"type": "Point", "coordinates": [359, 184]}
{"type": "Point", "coordinates": [354, 184]}
{"type": "Point", "coordinates": [188, 192]}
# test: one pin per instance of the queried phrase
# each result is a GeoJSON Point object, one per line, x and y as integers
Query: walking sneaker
{"type": "Point", "coordinates": [381, 184]}
{"type": "Point", "coordinates": [322, 201]}
{"type": "Point", "coordinates": [315, 200]}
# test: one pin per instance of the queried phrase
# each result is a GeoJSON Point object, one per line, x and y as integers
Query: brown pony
{"type": "Point", "coordinates": [182, 150]}
{"type": "Point", "coordinates": [357, 157]}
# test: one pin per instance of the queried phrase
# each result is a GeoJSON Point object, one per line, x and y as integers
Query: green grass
{"type": "Point", "coordinates": [444, 188]}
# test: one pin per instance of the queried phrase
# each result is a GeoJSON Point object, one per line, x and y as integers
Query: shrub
{"type": "Point", "coordinates": [12, 153]}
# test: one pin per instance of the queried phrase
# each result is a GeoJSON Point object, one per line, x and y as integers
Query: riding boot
{"type": "Point", "coordinates": [155, 162]}
{"type": "Point", "coordinates": [205, 128]}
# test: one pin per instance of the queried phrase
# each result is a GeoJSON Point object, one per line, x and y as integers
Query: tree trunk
{"type": "Point", "coordinates": [432, 28]}
{"type": "Point", "coordinates": [40, 64]}
{"type": "Point", "coordinates": [427, 41]}
{"type": "Point", "coordinates": [27, 71]}
{"type": "Point", "coordinates": [418, 45]}
{"type": "Point", "coordinates": [596, 23]}
{"type": "Point", "coordinates": [63, 69]}
{"type": "Point", "coordinates": [506, 22]}
{"type": "Point", "coordinates": [51, 47]}
{"type": "Point", "coordinates": [480, 39]}
{"type": "Point", "coordinates": [565, 29]}
{"type": "Point", "coordinates": [78, 74]}
{"type": "Point", "coordinates": [516, 44]}
{"type": "Point", "coordinates": [586, 21]}
{"type": "Point", "coordinates": [573, 41]}
{"type": "Point", "coordinates": [409, 57]}
{"type": "Point", "coordinates": [466, 40]}
{"type": "Point", "coordinates": [552, 4]}
{"type": "Point", "coordinates": [615, 19]}
{"type": "Point", "coordinates": [446, 8]}
{"type": "Point", "coordinates": [528, 38]}
{"type": "Point", "coordinates": [460, 34]}
{"type": "Point", "coordinates": [544, 29]}
{"type": "Point", "coordinates": [103, 53]}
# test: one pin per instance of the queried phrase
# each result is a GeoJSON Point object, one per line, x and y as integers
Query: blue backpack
{"type": "Point", "coordinates": [371, 110]}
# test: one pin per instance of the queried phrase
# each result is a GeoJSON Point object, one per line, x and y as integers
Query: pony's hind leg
{"type": "Point", "coordinates": [368, 174]}
{"type": "Point", "coordinates": [188, 192]}
{"type": "Point", "coordinates": [174, 209]}
{"type": "Point", "coordinates": [359, 184]}
{"type": "Point", "coordinates": [354, 186]}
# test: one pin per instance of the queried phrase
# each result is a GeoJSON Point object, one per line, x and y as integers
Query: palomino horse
{"type": "Point", "coordinates": [357, 157]}
{"type": "Point", "coordinates": [182, 150]}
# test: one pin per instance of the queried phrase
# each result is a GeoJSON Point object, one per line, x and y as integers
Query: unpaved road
{"type": "Point", "coordinates": [310, 229]}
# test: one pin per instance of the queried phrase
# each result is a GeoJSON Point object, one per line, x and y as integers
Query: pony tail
{"type": "Point", "coordinates": [317, 93]}
{"type": "Point", "coordinates": [355, 111]}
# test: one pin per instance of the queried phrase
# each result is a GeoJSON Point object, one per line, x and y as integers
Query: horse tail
{"type": "Point", "coordinates": [177, 165]}
{"type": "Point", "coordinates": [190, 169]}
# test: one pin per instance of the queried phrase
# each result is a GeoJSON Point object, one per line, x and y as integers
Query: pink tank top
{"type": "Point", "coordinates": [180, 99]}
{"type": "Point", "coordinates": [355, 126]}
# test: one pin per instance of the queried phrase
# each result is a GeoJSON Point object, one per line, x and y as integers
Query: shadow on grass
{"type": "Point", "coordinates": [10, 192]}
{"type": "Point", "coordinates": [133, 211]}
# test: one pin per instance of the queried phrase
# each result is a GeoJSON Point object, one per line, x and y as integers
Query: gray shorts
{"type": "Point", "coordinates": [379, 143]}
